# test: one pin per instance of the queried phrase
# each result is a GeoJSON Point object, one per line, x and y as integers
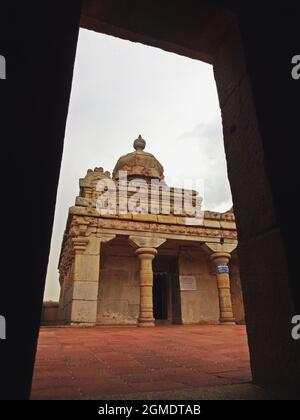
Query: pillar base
{"type": "Point", "coordinates": [146, 323]}
{"type": "Point", "coordinates": [227, 322]}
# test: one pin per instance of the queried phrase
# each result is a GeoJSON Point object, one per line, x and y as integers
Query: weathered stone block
{"type": "Point", "coordinates": [86, 268]}
{"type": "Point", "coordinates": [113, 284]}
{"type": "Point", "coordinates": [211, 223]}
{"type": "Point", "coordinates": [167, 219]}
{"type": "Point", "coordinates": [93, 246]}
{"type": "Point", "coordinates": [145, 217]}
{"type": "Point", "coordinates": [114, 312]}
{"type": "Point", "coordinates": [133, 310]}
{"type": "Point", "coordinates": [227, 225]}
{"type": "Point", "coordinates": [83, 311]}
{"type": "Point", "coordinates": [85, 290]}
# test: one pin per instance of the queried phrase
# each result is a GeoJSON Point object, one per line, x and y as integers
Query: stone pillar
{"type": "Point", "coordinates": [220, 256]}
{"type": "Point", "coordinates": [146, 255]}
{"type": "Point", "coordinates": [220, 261]}
{"type": "Point", "coordinates": [86, 279]}
{"type": "Point", "coordinates": [146, 251]}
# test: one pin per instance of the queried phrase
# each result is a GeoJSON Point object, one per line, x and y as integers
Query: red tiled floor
{"type": "Point", "coordinates": [74, 363]}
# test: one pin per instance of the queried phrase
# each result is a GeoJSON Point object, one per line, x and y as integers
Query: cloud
{"type": "Point", "coordinates": [207, 139]}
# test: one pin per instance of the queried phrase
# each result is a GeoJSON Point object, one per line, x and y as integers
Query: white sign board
{"type": "Point", "coordinates": [188, 283]}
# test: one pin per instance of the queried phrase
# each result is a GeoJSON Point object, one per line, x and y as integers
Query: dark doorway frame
{"type": "Point", "coordinates": [167, 266]}
{"type": "Point", "coordinates": [254, 125]}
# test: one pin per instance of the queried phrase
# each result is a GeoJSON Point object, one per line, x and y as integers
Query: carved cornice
{"type": "Point", "coordinates": [221, 221]}
{"type": "Point", "coordinates": [118, 224]}
{"type": "Point", "coordinates": [83, 224]}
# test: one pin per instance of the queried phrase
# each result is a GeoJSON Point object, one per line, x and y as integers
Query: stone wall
{"type": "Point", "coordinates": [201, 305]}
{"type": "Point", "coordinates": [66, 294]}
{"type": "Point", "coordinates": [49, 313]}
{"type": "Point", "coordinates": [65, 305]}
{"type": "Point", "coordinates": [119, 292]}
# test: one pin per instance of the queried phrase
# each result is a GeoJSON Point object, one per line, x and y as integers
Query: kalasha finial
{"type": "Point", "coordinates": [139, 144]}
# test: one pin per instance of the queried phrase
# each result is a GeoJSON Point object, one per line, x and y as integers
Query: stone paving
{"type": "Point", "coordinates": [121, 362]}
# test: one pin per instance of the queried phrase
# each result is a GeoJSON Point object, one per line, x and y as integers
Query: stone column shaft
{"type": "Point", "coordinates": [146, 251]}
{"type": "Point", "coordinates": [220, 261]}
{"type": "Point", "coordinates": [146, 255]}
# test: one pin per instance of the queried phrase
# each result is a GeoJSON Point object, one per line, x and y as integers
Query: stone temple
{"type": "Point", "coordinates": [147, 266]}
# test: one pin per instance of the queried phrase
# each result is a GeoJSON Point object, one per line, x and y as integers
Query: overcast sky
{"type": "Point", "coordinates": [122, 89]}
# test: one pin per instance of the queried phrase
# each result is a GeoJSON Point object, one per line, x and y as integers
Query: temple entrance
{"type": "Point", "coordinates": [166, 293]}
{"type": "Point", "coordinates": [160, 297]}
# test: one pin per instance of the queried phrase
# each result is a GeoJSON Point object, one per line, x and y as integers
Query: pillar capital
{"type": "Point", "coordinates": [145, 242]}
{"type": "Point", "coordinates": [146, 253]}
{"type": "Point", "coordinates": [91, 244]}
{"type": "Point", "coordinates": [220, 258]}
{"type": "Point", "coordinates": [79, 244]}
{"type": "Point", "coordinates": [217, 247]}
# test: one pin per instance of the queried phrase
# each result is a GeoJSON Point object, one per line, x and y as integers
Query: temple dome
{"type": "Point", "coordinates": [139, 163]}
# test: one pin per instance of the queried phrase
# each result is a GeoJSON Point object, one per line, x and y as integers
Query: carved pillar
{"type": "Point", "coordinates": [220, 261]}
{"type": "Point", "coordinates": [220, 256]}
{"type": "Point", "coordinates": [86, 279]}
{"type": "Point", "coordinates": [146, 255]}
{"type": "Point", "coordinates": [146, 251]}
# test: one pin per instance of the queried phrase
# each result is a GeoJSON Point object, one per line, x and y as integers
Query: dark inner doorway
{"type": "Point", "coordinates": [166, 292]}
{"type": "Point", "coordinates": [160, 296]}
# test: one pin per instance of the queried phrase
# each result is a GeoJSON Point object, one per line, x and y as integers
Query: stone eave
{"type": "Point", "coordinates": [221, 221]}
{"type": "Point", "coordinates": [173, 227]}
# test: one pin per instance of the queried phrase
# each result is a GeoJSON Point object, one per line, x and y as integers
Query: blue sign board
{"type": "Point", "coordinates": [222, 269]}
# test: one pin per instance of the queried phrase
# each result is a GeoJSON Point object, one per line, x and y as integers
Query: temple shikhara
{"type": "Point", "coordinates": [146, 267]}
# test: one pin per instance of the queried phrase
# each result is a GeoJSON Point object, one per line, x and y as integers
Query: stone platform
{"type": "Point", "coordinates": [127, 362]}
